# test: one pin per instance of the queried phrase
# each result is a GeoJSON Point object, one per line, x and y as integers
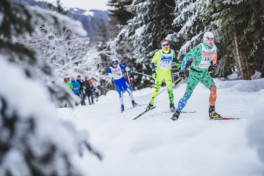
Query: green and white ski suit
{"type": "Point", "coordinates": [202, 56]}
{"type": "Point", "coordinates": [163, 59]}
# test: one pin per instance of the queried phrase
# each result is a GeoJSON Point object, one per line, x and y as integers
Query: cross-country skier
{"type": "Point", "coordinates": [116, 71]}
{"type": "Point", "coordinates": [164, 59]}
{"type": "Point", "coordinates": [204, 57]}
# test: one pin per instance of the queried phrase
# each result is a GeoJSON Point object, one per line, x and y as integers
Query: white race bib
{"type": "Point", "coordinates": [117, 72]}
{"type": "Point", "coordinates": [207, 56]}
{"type": "Point", "coordinates": [166, 60]}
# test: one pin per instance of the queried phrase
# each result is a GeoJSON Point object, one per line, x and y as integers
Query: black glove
{"type": "Point", "coordinates": [181, 74]}
{"type": "Point", "coordinates": [212, 68]}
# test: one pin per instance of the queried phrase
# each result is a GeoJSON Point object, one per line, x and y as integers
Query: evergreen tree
{"type": "Point", "coordinates": [120, 11]}
{"type": "Point", "coordinates": [237, 33]}
{"type": "Point", "coordinates": [59, 8]}
{"type": "Point", "coordinates": [240, 25]}
{"type": "Point", "coordinates": [149, 27]}
{"type": "Point", "coordinates": [28, 145]}
{"type": "Point", "coordinates": [144, 32]}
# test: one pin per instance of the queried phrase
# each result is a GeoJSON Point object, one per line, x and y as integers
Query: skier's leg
{"type": "Point", "coordinates": [129, 90]}
{"type": "Point", "coordinates": [209, 83]}
{"type": "Point", "coordinates": [158, 82]}
{"type": "Point", "coordinates": [193, 80]}
{"type": "Point", "coordinates": [168, 81]}
{"type": "Point", "coordinates": [119, 90]}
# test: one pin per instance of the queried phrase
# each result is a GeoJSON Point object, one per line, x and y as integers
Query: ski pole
{"type": "Point", "coordinates": [142, 73]}
{"type": "Point", "coordinates": [128, 79]}
{"type": "Point", "coordinates": [178, 80]}
{"type": "Point", "coordinates": [110, 81]}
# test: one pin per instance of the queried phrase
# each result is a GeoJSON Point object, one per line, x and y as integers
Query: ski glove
{"type": "Point", "coordinates": [212, 68]}
{"type": "Point", "coordinates": [154, 75]}
{"type": "Point", "coordinates": [181, 74]}
{"type": "Point", "coordinates": [127, 69]}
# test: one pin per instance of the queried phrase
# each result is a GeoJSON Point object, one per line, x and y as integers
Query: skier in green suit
{"type": "Point", "coordinates": [164, 59]}
{"type": "Point", "coordinates": [204, 57]}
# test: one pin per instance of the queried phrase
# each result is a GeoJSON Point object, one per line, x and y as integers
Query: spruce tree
{"type": "Point", "coordinates": [28, 143]}
{"type": "Point", "coordinates": [239, 24]}
{"type": "Point", "coordinates": [237, 33]}
{"type": "Point", "coordinates": [151, 24]}
{"type": "Point", "coordinates": [119, 10]}
{"type": "Point", "coordinates": [145, 31]}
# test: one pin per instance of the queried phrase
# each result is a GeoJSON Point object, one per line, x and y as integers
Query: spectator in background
{"type": "Point", "coordinates": [87, 90]}
{"type": "Point", "coordinates": [68, 82]}
{"type": "Point", "coordinates": [92, 90]}
{"type": "Point", "coordinates": [76, 87]}
{"type": "Point", "coordinates": [82, 85]}
{"type": "Point", "coordinates": [69, 85]}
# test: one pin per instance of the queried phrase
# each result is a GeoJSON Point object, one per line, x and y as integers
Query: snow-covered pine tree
{"type": "Point", "coordinates": [192, 19]}
{"type": "Point", "coordinates": [226, 19]}
{"type": "Point", "coordinates": [239, 25]}
{"type": "Point", "coordinates": [63, 52]}
{"type": "Point", "coordinates": [190, 23]}
{"type": "Point", "coordinates": [29, 144]}
{"type": "Point", "coordinates": [119, 10]}
{"type": "Point", "coordinates": [118, 15]}
{"type": "Point", "coordinates": [144, 32]}
{"type": "Point", "coordinates": [151, 24]}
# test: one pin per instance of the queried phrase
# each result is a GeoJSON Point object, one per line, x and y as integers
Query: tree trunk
{"type": "Point", "coordinates": [238, 60]}
{"type": "Point", "coordinates": [241, 58]}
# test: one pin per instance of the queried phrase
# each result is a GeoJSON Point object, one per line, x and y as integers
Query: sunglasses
{"type": "Point", "coordinates": [211, 39]}
{"type": "Point", "coordinates": [166, 44]}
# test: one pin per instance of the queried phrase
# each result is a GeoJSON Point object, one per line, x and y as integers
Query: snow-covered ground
{"type": "Point", "coordinates": [154, 145]}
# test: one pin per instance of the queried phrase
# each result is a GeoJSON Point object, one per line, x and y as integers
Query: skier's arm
{"type": "Point", "coordinates": [155, 57]}
{"type": "Point", "coordinates": [175, 60]}
{"type": "Point", "coordinates": [188, 57]}
{"type": "Point", "coordinates": [215, 59]}
{"type": "Point", "coordinates": [124, 67]}
{"type": "Point", "coordinates": [109, 72]}
{"type": "Point", "coordinates": [212, 67]}
{"type": "Point", "coordinates": [154, 60]}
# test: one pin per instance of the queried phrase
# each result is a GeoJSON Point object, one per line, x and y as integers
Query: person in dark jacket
{"type": "Point", "coordinates": [82, 94]}
{"type": "Point", "coordinates": [87, 90]}
{"type": "Point", "coordinates": [92, 90]}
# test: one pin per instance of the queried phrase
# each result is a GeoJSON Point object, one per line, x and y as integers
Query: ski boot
{"type": "Point", "coordinates": [122, 108]}
{"type": "Point", "coordinates": [175, 116]}
{"type": "Point", "coordinates": [172, 107]}
{"type": "Point", "coordinates": [213, 114]}
{"type": "Point", "coordinates": [134, 104]}
{"type": "Point", "coordinates": [149, 107]}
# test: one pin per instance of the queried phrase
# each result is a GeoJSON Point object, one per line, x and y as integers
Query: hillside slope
{"type": "Point", "coordinates": [194, 145]}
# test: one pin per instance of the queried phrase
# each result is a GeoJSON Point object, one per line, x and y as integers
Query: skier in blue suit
{"type": "Point", "coordinates": [116, 71]}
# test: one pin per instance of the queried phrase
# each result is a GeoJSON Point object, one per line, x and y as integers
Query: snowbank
{"type": "Point", "coordinates": [242, 85]}
{"type": "Point", "coordinates": [255, 131]}
{"type": "Point", "coordinates": [37, 127]}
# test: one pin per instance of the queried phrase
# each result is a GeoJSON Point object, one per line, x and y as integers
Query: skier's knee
{"type": "Point", "coordinates": [213, 89]}
{"type": "Point", "coordinates": [186, 96]}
